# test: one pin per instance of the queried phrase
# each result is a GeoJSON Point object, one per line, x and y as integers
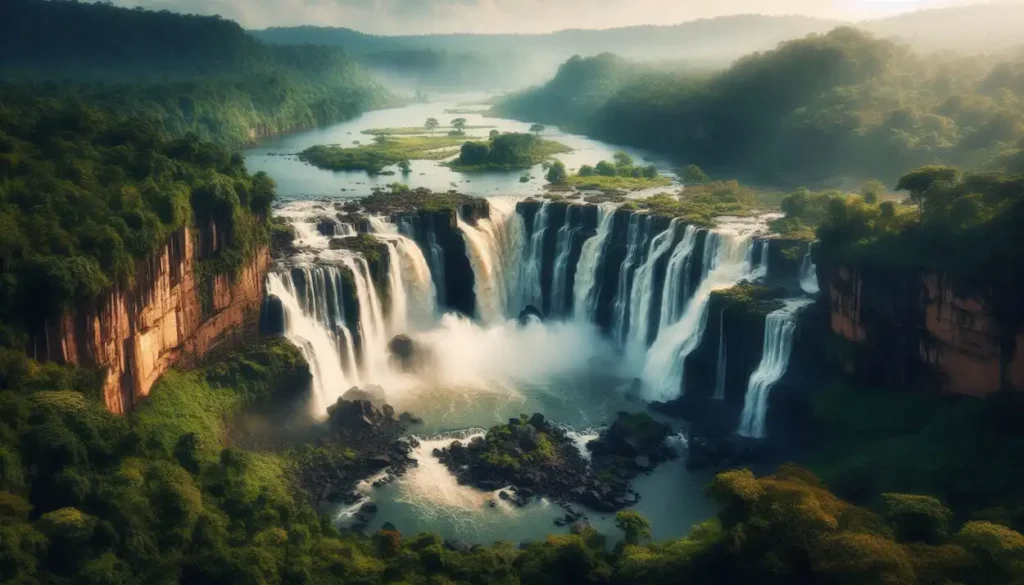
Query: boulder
{"type": "Point", "coordinates": [388, 411]}
{"type": "Point", "coordinates": [389, 527]}
{"type": "Point", "coordinates": [642, 461]}
{"type": "Point", "coordinates": [359, 415]}
{"type": "Point", "coordinates": [530, 313]}
{"type": "Point", "coordinates": [579, 527]}
{"type": "Point", "coordinates": [410, 419]}
{"type": "Point", "coordinates": [379, 461]}
{"type": "Point", "coordinates": [408, 355]}
{"type": "Point", "coordinates": [327, 227]}
{"type": "Point", "coordinates": [457, 546]}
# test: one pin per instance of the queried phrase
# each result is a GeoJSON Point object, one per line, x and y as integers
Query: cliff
{"type": "Point", "coordinates": [164, 319]}
{"type": "Point", "coordinates": [920, 329]}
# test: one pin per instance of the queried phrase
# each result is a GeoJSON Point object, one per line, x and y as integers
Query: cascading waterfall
{"type": "Point", "coordinates": [637, 237]}
{"type": "Point", "coordinates": [762, 264]}
{"type": "Point", "coordinates": [317, 327]}
{"type": "Point", "coordinates": [778, 345]}
{"type": "Point", "coordinates": [492, 247]}
{"type": "Point", "coordinates": [563, 249]}
{"type": "Point", "coordinates": [643, 291]}
{"type": "Point", "coordinates": [728, 259]}
{"type": "Point", "coordinates": [585, 292]}
{"type": "Point", "coordinates": [720, 370]}
{"type": "Point", "coordinates": [677, 277]}
{"type": "Point", "coordinates": [371, 316]}
{"type": "Point", "coordinates": [809, 274]}
{"type": "Point", "coordinates": [529, 279]}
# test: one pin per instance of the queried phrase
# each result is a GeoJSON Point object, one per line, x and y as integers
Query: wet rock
{"type": "Point", "coordinates": [560, 522]}
{"type": "Point", "coordinates": [579, 527]}
{"type": "Point", "coordinates": [327, 227]}
{"type": "Point", "coordinates": [409, 355]}
{"type": "Point", "coordinates": [642, 461]}
{"type": "Point", "coordinates": [373, 394]}
{"type": "Point", "coordinates": [505, 496]}
{"type": "Point", "coordinates": [388, 411]}
{"type": "Point", "coordinates": [389, 526]}
{"type": "Point", "coordinates": [457, 546]}
{"type": "Point", "coordinates": [368, 508]}
{"type": "Point", "coordinates": [410, 419]}
{"type": "Point", "coordinates": [272, 317]}
{"type": "Point", "coordinates": [530, 313]}
{"type": "Point", "coordinates": [379, 461]}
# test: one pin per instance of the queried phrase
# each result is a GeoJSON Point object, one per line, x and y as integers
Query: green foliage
{"type": "Point", "coordinates": [506, 152]}
{"type": "Point", "coordinates": [633, 526]}
{"type": "Point", "coordinates": [557, 174]}
{"type": "Point", "coordinates": [400, 198]}
{"type": "Point", "coordinates": [842, 104]}
{"type": "Point", "coordinates": [917, 518]}
{"type": "Point", "coordinates": [692, 174]}
{"type": "Point", "coordinates": [385, 151]}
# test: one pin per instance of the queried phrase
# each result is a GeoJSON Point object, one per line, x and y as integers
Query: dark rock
{"type": "Point", "coordinates": [528, 314]}
{"type": "Point", "coordinates": [368, 508]}
{"type": "Point", "coordinates": [272, 317]}
{"type": "Point", "coordinates": [642, 461]}
{"type": "Point", "coordinates": [379, 461]}
{"type": "Point", "coordinates": [537, 420]}
{"type": "Point", "coordinates": [579, 527]}
{"type": "Point", "coordinates": [504, 495]}
{"type": "Point", "coordinates": [560, 522]}
{"type": "Point", "coordinates": [492, 503]}
{"type": "Point", "coordinates": [327, 227]}
{"type": "Point", "coordinates": [410, 419]}
{"type": "Point", "coordinates": [409, 355]}
{"type": "Point", "coordinates": [388, 411]}
{"type": "Point", "coordinates": [372, 394]}
{"type": "Point", "coordinates": [457, 546]}
{"type": "Point", "coordinates": [389, 526]}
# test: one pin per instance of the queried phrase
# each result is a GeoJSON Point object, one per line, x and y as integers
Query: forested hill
{"type": "Point", "coordinates": [193, 73]}
{"type": "Point", "coordinates": [815, 110]}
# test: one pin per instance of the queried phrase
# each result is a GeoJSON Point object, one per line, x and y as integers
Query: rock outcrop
{"type": "Point", "coordinates": [168, 317]}
{"type": "Point", "coordinates": [900, 327]}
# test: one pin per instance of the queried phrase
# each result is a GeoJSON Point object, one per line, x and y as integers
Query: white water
{"type": "Point", "coordinates": [809, 274]}
{"type": "Point", "coordinates": [585, 291]}
{"type": "Point", "coordinates": [642, 295]}
{"type": "Point", "coordinates": [322, 348]}
{"type": "Point", "coordinates": [677, 276]}
{"type": "Point", "coordinates": [761, 271]}
{"type": "Point", "coordinates": [778, 345]}
{"type": "Point", "coordinates": [637, 237]}
{"type": "Point", "coordinates": [720, 370]}
{"type": "Point", "coordinates": [529, 279]}
{"type": "Point", "coordinates": [494, 247]}
{"type": "Point", "coordinates": [727, 261]}
{"type": "Point", "coordinates": [563, 249]}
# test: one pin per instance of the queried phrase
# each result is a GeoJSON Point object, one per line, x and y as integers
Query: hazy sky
{"type": "Point", "coordinates": [491, 16]}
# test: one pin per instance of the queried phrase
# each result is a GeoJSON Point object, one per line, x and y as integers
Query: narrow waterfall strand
{"type": "Point", "coordinates": [559, 293]}
{"type": "Point", "coordinates": [720, 370]}
{"type": "Point", "coordinates": [636, 241]}
{"type": "Point", "coordinates": [643, 287]}
{"type": "Point", "coordinates": [809, 274]}
{"type": "Point", "coordinates": [484, 244]}
{"type": "Point", "coordinates": [586, 290]}
{"type": "Point", "coordinates": [421, 306]}
{"type": "Point", "coordinates": [778, 345]}
{"type": "Point", "coordinates": [318, 345]}
{"type": "Point", "coordinates": [371, 318]}
{"type": "Point", "coordinates": [730, 262]}
{"type": "Point", "coordinates": [530, 286]}
{"type": "Point", "coordinates": [676, 277]}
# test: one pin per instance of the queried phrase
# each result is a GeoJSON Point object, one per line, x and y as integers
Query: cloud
{"type": "Point", "coordinates": [502, 16]}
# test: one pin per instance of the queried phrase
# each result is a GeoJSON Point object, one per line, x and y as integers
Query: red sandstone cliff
{"type": "Point", "coordinates": [922, 330]}
{"type": "Point", "coordinates": [137, 333]}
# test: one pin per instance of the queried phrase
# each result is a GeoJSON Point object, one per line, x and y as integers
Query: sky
{"type": "Point", "coordinates": [525, 16]}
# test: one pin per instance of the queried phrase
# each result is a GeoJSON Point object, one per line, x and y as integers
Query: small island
{"type": "Point", "coordinates": [505, 152]}
{"type": "Point", "coordinates": [537, 458]}
{"type": "Point", "coordinates": [622, 174]}
{"type": "Point", "coordinates": [385, 151]}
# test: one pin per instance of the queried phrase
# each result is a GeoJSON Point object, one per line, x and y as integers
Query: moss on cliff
{"type": "Point", "coordinates": [398, 198]}
{"type": "Point", "coordinates": [753, 301]}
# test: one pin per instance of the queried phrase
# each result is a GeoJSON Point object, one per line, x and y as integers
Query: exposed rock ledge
{"type": "Point", "coordinates": [138, 333]}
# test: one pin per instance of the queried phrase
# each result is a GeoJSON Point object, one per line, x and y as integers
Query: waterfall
{"type": "Point", "coordinates": [529, 279]}
{"type": "Point", "coordinates": [720, 370]}
{"type": "Point", "coordinates": [762, 265]}
{"type": "Point", "coordinates": [728, 259]}
{"type": "Point", "coordinates": [316, 326]}
{"type": "Point", "coordinates": [371, 316]}
{"type": "Point", "coordinates": [636, 240]}
{"type": "Point", "coordinates": [809, 274]}
{"type": "Point", "coordinates": [413, 296]}
{"type": "Point", "coordinates": [643, 291]}
{"type": "Point", "coordinates": [585, 293]}
{"type": "Point", "coordinates": [379, 225]}
{"type": "Point", "coordinates": [436, 261]}
{"type": "Point", "coordinates": [677, 276]}
{"type": "Point", "coordinates": [563, 249]}
{"type": "Point", "coordinates": [778, 345]}
{"type": "Point", "coordinates": [491, 246]}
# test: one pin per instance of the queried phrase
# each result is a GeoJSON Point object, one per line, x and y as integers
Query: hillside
{"type": "Point", "coordinates": [199, 74]}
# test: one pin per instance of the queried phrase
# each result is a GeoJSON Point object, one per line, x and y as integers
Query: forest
{"type": "Point", "coordinates": [827, 110]}
{"type": "Point", "coordinates": [192, 74]}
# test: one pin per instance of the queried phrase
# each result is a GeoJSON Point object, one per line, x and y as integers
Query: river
{"type": "Point", "coordinates": [489, 371]}
{"type": "Point", "coordinates": [296, 179]}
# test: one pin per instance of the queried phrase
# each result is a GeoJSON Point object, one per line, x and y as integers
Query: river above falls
{"type": "Point", "coordinates": [277, 156]}
{"type": "Point", "coordinates": [488, 372]}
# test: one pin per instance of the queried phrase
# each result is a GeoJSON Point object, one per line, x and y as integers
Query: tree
{"type": "Point", "coordinates": [494, 134]}
{"type": "Point", "coordinates": [692, 174]}
{"type": "Point", "coordinates": [380, 139]}
{"type": "Point", "coordinates": [405, 166]}
{"type": "Point", "coordinates": [634, 526]}
{"type": "Point", "coordinates": [459, 124]}
{"type": "Point", "coordinates": [557, 174]}
{"type": "Point", "coordinates": [431, 125]}
{"type": "Point", "coordinates": [538, 128]}
{"type": "Point", "coordinates": [871, 191]}
{"type": "Point", "coordinates": [921, 180]}
{"type": "Point", "coordinates": [606, 169]}
{"type": "Point", "coordinates": [623, 160]}
{"type": "Point", "coordinates": [917, 518]}
{"type": "Point", "coordinates": [586, 171]}
{"type": "Point", "coordinates": [650, 172]}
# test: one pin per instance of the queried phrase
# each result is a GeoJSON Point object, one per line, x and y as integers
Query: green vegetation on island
{"type": "Point", "coordinates": [385, 152]}
{"type": "Point", "coordinates": [414, 130]}
{"type": "Point", "coordinates": [398, 198]}
{"type": "Point", "coordinates": [506, 152]}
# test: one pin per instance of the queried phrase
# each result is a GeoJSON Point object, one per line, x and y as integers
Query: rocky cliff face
{"type": "Point", "coordinates": [137, 333]}
{"type": "Point", "coordinates": [920, 329]}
